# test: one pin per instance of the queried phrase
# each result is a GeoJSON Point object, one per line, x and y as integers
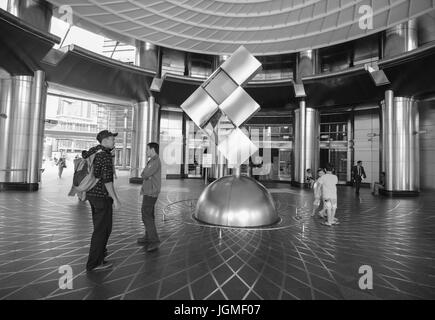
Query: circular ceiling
{"type": "Point", "coordinates": [262, 26]}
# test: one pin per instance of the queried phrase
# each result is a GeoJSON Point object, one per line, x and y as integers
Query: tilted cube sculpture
{"type": "Point", "coordinates": [234, 201]}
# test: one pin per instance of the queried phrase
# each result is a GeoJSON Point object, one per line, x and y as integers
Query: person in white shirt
{"type": "Point", "coordinates": [318, 195]}
{"type": "Point", "coordinates": [328, 185]}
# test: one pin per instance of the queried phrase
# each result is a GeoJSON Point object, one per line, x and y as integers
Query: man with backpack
{"type": "Point", "coordinates": [102, 198]}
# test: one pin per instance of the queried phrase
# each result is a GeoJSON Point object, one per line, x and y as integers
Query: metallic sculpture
{"type": "Point", "coordinates": [236, 201]}
{"type": "Point", "coordinates": [233, 201]}
{"type": "Point", "coordinates": [222, 94]}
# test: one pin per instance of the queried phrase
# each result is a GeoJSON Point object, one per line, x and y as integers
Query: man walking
{"type": "Point", "coordinates": [358, 175]}
{"type": "Point", "coordinates": [152, 181]}
{"type": "Point", "coordinates": [101, 197]}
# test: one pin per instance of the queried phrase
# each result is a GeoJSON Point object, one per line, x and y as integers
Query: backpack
{"type": "Point", "coordinates": [84, 179]}
{"type": "Point", "coordinates": [81, 172]}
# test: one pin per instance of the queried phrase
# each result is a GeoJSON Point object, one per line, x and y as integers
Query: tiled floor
{"type": "Point", "coordinates": [301, 259]}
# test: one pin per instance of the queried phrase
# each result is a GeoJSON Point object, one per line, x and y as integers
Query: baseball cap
{"type": "Point", "coordinates": [104, 134]}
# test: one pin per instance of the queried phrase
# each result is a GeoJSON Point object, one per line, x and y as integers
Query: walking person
{"type": "Point", "coordinates": [103, 199]}
{"type": "Point", "coordinates": [151, 185]}
{"type": "Point", "coordinates": [317, 188]}
{"type": "Point", "coordinates": [309, 178]}
{"type": "Point", "coordinates": [328, 183]}
{"type": "Point", "coordinates": [359, 175]}
{"type": "Point", "coordinates": [61, 164]}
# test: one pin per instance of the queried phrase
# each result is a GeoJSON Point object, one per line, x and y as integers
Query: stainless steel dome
{"type": "Point", "coordinates": [236, 202]}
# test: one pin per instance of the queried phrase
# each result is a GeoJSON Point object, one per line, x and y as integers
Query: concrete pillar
{"type": "Point", "coordinates": [38, 13]}
{"type": "Point", "coordinates": [401, 38]}
{"type": "Point", "coordinates": [145, 130]}
{"type": "Point", "coordinates": [23, 101]}
{"type": "Point", "coordinates": [400, 145]}
{"type": "Point", "coordinates": [306, 143]}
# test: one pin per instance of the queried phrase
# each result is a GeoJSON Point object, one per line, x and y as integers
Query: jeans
{"type": "Point", "coordinates": [148, 219]}
{"type": "Point", "coordinates": [102, 215]}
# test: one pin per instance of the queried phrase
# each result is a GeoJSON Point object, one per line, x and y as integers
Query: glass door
{"type": "Point", "coordinates": [334, 148]}
{"type": "Point", "coordinates": [197, 144]}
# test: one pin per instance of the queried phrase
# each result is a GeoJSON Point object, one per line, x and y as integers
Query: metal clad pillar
{"type": "Point", "coordinates": [401, 38]}
{"type": "Point", "coordinates": [146, 55]}
{"type": "Point", "coordinates": [35, 12]}
{"type": "Point", "coordinates": [37, 122]}
{"type": "Point", "coordinates": [306, 144]}
{"type": "Point", "coordinates": [401, 145]}
{"type": "Point", "coordinates": [23, 100]}
{"type": "Point", "coordinates": [145, 130]}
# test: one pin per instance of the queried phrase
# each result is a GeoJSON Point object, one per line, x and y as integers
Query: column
{"type": "Point", "coordinates": [306, 142]}
{"type": "Point", "coordinates": [145, 130]}
{"type": "Point", "coordinates": [400, 145]}
{"type": "Point", "coordinates": [401, 38]}
{"type": "Point", "coordinates": [38, 13]}
{"type": "Point", "coordinates": [23, 100]}
{"type": "Point", "coordinates": [146, 55]}
{"type": "Point", "coordinates": [426, 28]}
{"type": "Point", "coordinates": [124, 140]}
{"type": "Point", "coordinates": [307, 64]}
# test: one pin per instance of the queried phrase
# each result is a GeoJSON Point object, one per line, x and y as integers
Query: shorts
{"type": "Point", "coordinates": [330, 203]}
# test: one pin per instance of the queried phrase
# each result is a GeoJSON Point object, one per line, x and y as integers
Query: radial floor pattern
{"type": "Point", "coordinates": [300, 259]}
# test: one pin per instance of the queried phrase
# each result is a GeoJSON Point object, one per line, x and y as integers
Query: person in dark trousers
{"type": "Point", "coordinates": [103, 199]}
{"type": "Point", "coordinates": [358, 174]}
{"type": "Point", "coordinates": [151, 185]}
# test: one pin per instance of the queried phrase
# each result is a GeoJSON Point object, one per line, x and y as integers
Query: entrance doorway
{"type": "Point", "coordinates": [334, 148]}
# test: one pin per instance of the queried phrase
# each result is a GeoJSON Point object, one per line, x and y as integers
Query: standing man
{"type": "Point", "coordinates": [152, 182]}
{"type": "Point", "coordinates": [328, 184]}
{"type": "Point", "coordinates": [101, 197]}
{"type": "Point", "coordinates": [358, 175]}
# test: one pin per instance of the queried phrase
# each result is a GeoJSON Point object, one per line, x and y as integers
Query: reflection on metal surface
{"type": "Point", "coordinates": [239, 107]}
{"type": "Point", "coordinates": [236, 202]}
{"type": "Point", "coordinates": [145, 124]}
{"type": "Point", "coordinates": [220, 86]}
{"type": "Point", "coordinates": [200, 107]}
{"type": "Point", "coordinates": [37, 125]}
{"type": "Point", "coordinates": [401, 38]}
{"type": "Point", "coordinates": [401, 143]}
{"type": "Point", "coordinates": [306, 147]}
{"type": "Point", "coordinates": [16, 96]}
{"type": "Point", "coordinates": [239, 154]}
{"type": "Point", "coordinates": [222, 91]}
{"type": "Point", "coordinates": [241, 66]}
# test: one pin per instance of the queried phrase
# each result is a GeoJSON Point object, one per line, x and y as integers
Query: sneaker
{"type": "Point", "coordinates": [153, 247]}
{"type": "Point", "coordinates": [102, 267]}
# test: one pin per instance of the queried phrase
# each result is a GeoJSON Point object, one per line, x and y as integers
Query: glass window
{"type": "Point", "coordinates": [201, 65]}
{"type": "Point", "coordinates": [173, 61]}
{"type": "Point", "coordinates": [4, 4]}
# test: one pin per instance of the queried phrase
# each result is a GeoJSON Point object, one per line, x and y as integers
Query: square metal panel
{"type": "Point", "coordinates": [239, 107]}
{"type": "Point", "coordinates": [241, 66]}
{"type": "Point", "coordinates": [220, 86]}
{"type": "Point", "coordinates": [237, 155]}
{"type": "Point", "coordinates": [200, 107]}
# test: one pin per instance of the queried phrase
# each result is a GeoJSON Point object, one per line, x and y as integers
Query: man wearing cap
{"type": "Point", "coordinates": [101, 197]}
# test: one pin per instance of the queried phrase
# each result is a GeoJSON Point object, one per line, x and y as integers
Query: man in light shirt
{"type": "Point", "coordinates": [328, 185]}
